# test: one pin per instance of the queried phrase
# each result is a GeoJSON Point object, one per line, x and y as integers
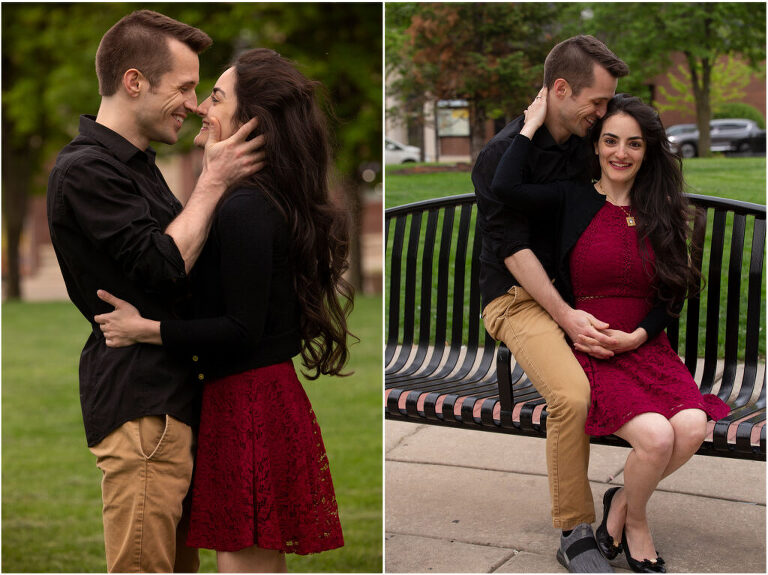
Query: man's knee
{"type": "Point", "coordinates": [571, 402]}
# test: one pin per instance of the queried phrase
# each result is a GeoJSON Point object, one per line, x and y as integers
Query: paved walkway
{"type": "Point", "coordinates": [471, 501]}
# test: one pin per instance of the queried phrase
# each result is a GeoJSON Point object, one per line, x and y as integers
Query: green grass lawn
{"type": "Point", "coordinates": [735, 178]}
{"type": "Point", "coordinates": [51, 514]}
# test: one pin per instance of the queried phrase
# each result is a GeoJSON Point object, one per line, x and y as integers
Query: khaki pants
{"type": "Point", "coordinates": [147, 469]}
{"type": "Point", "coordinates": [539, 345]}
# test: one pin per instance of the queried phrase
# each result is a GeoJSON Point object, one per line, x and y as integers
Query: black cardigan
{"type": "Point", "coordinates": [245, 306]}
{"type": "Point", "coordinates": [574, 205]}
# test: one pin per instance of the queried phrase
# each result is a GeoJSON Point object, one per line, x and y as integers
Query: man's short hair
{"type": "Point", "coordinates": [573, 60]}
{"type": "Point", "coordinates": [140, 40]}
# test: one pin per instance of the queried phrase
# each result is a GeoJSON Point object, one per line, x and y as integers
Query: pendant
{"type": "Point", "coordinates": [630, 221]}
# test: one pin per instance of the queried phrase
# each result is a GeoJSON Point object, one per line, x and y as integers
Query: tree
{"type": "Point", "coordinates": [489, 54]}
{"type": "Point", "coordinates": [49, 79]}
{"type": "Point", "coordinates": [729, 76]}
{"type": "Point", "coordinates": [644, 35]}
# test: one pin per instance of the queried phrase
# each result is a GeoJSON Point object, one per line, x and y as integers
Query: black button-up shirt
{"type": "Point", "coordinates": [505, 230]}
{"type": "Point", "coordinates": [108, 207]}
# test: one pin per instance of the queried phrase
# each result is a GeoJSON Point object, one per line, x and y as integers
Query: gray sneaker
{"type": "Point", "coordinates": [579, 552]}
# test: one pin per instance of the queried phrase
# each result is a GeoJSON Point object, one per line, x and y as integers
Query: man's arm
{"type": "Point", "coordinates": [224, 164]}
{"type": "Point", "coordinates": [582, 327]}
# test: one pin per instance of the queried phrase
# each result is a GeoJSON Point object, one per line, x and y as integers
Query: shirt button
{"type": "Point", "coordinates": [200, 376]}
{"type": "Point", "coordinates": [194, 358]}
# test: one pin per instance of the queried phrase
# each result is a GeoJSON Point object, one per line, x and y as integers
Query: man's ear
{"type": "Point", "coordinates": [561, 88]}
{"type": "Point", "coordinates": [133, 81]}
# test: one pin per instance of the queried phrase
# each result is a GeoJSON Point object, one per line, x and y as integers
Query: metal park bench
{"type": "Point", "coordinates": [442, 368]}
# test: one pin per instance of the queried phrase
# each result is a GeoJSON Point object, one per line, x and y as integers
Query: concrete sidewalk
{"type": "Point", "coordinates": [471, 501]}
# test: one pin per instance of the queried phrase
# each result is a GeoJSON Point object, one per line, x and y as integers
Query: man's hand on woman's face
{"type": "Point", "coordinates": [230, 160]}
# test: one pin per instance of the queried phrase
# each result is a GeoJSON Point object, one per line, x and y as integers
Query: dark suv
{"type": "Point", "coordinates": [726, 135]}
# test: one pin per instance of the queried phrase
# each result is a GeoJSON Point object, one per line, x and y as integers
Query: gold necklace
{"type": "Point", "coordinates": [629, 217]}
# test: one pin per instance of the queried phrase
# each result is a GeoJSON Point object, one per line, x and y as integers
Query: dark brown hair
{"type": "Point", "coordinates": [270, 88]}
{"type": "Point", "coordinates": [663, 213]}
{"type": "Point", "coordinates": [574, 59]}
{"type": "Point", "coordinates": [140, 40]}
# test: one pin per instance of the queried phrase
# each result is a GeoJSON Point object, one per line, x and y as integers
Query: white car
{"type": "Point", "coordinates": [397, 153]}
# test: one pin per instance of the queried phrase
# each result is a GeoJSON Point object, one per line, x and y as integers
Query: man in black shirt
{"type": "Point", "coordinates": [115, 225]}
{"type": "Point", "coordinates": [522, 308]}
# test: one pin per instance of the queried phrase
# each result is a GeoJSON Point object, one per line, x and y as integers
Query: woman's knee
{"type": "Point", "coordinates": [651, 435]}
{"type": "Point", "coordinates": [690, 427]}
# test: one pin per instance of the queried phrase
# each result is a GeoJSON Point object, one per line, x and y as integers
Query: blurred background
{"type": "Point", "coordinates": [48, 80]}
{"type": "Point", "coordinates": [51, 498]}
{"type": "Point", "coordinates": [456, 73]}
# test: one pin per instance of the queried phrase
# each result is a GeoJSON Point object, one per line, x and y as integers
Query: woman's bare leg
{"type": "Point", "coordinates": [251, 560]}
{"type": "Point", "coordinates": [652, 439]}
{"type": "Point", "coordinates": [690, 427]}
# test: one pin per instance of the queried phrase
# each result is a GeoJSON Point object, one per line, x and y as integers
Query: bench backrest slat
{"type": "Point", "coordinates": [393, 316]}
{"type": "Point", "coordinates": [732, 306]}
{"type": "Point", "coordinates": [713, 301]}
{"type": "Point", "coordinates": [754, 292]}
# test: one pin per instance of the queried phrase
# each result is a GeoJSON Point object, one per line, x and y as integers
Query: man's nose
{"type": "Point", "coordinates": [601, 110]}
{"type": "Point", "coordinates": [190, 103]}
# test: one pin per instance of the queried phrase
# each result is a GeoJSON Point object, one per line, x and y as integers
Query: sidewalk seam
{"type": "Point", "coordinates": [591, 481]}
{"type": "Point", "coordinates": [498, 564]}
{"type": "Point", "coordinates": [514, 550]}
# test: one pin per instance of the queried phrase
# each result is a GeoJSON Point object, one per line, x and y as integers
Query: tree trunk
{"type": "Point", "coordinates": [17, 174]}
{"type": "Point", "coordinates": [354, 205]}
{"type": "Point", "coordinates": [700, 82]}
{"type": "Point", "coordinates": [477, 118]}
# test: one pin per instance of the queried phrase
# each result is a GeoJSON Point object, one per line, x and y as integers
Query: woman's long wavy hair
{"type": "Point", "coordinates": [662, 211]}
{"type": "Point", "coordinates": [295, 178]}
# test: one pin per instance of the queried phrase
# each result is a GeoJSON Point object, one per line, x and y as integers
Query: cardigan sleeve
{"type": "Point", "coordinates": [247, 230]}
{"type": "Point", "coordinates": [508, 184]}
{"type": "Point", "coordinates": [657, 320]}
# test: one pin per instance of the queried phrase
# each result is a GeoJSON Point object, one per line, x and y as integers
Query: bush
{"type": "Point", "coordinates": [739, 110]}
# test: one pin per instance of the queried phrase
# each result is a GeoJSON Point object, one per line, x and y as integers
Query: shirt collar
{"type": "Point", "coordinates": [113, 141]}
{"type": "Point", "coordinates": [544, 140]}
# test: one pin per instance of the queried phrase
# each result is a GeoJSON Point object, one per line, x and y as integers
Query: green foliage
{"type": "Point", "coordinates": [490, 54]}
{"type": "Point", "coordinates": [729, 80]}
{"type": "Point", "coordinates": [739, 110]}
{"type": "Point", "coordinates": [51, 514]}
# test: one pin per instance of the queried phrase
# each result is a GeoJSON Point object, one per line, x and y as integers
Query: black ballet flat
{"type": "Point", "coordinates": [644, 566]}
{"type": "Point", "coordinates": [608, 547]}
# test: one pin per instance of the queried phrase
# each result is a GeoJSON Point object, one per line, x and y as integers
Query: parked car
{"type": "Point", "coordinates": [726, 135]}
{"type": "Point", "coordinates": [754, 143]}
{"type": "Point", "coordinates": [397, 153]}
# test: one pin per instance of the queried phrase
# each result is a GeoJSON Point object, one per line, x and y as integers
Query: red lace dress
{"type": "Point", "coordinates": [611, 282]}
{"type": "Point", "coordinates": [261, 473]}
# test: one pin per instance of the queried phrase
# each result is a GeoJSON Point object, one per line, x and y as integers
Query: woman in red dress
{"type": "Point", "coordinates": [623, 256]}
{"type": "Point", "coordinates": [267, 286]}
